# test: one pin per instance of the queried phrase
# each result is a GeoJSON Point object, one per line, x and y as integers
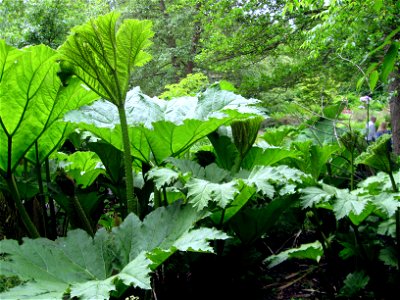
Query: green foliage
{"type": "Point", "coordinates": [379, 183]}
{"type": "Point", "coordinates": [80, 266]}
{"type": "Point", "coordinates": [353, 204]}
{"type": "Point", "coordinates": [104, 53]}
{"type": "Point", "coordinates": [389, 60]}
{"type": "Point", "coordinates": [111, 158]}
{"type": "Point", "coordinates": [314, 195]}
{"type": "Point", "coordinates": [312, 251]}
{"type": "Point", "coordinates": [32, 101]}
{"type": "Point", "coordinates": [244, 134]}
{"type": "Point", "coordinates": [83, 167]}
{"type": "Point", "coordinates": [44, 21]}
{"type": "Point", "coordinates": [354, 283]}
{"type": "Point", "coordinates": [179, 30]}
{"type": "Point", "coordinates": [188, 86]}
{"type": "Point", "coordinates": [227, 193]}
{"type": "Point", "coordinates": [279, 136]}
{"type": "Point", "coordinates": [164, 127]}
{"type": "Point", "coordinates": [388, 257]}
{"type": "Point", "coordinates": [378, 155]}
{"type": "Point", "coordinates": [251, 223]}
{"type": "Point", "coordinates": [202, 191]}
{"type": "Point", "coordinates": [245, 185]}
{"type": "Point", "coordinates": [313, 158]}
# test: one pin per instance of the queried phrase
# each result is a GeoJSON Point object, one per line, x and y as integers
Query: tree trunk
{"type": "Point", "coordinates": [170, 40]}
{"type": "Point", "coordinates": [394, 89]}
{"type": "Point", "coordinates": [195, 42]}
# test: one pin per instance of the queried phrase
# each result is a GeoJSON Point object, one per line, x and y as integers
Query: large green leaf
{"type": "Point", "coordinates": [280, 135]}
{"type": "Point", "coordinates": [387, 203]}
{"type": "Point", "coordinates": [259, 178]}
{"type": "Point", "coordinates": [312, 251]}
{"type": "Point", "coordinates": [90, 268]}
{"type": "Point", "coordinates": [50, 267]}
{"type": "Point", "coordinates": [51, 139]}
{"type": "Point", "coordinates": [103, 53]}
{"type": "Point", "coordinates": [251, 223]}
{"type": "Point", "coordinates": [163, 232]}
{"type": "Point", "coordinates": [225, 150]}
{"type": "Point", "coordinates": [389, 60]}
{"type": "Point", "coordinates": [322, 131]}
{"type": "Point", "coordinates": [379, 183]}
{"type": "Point", "coordinates": [353, 284]}
{"type": "Point", "coordinates": [265, 180]}
{"type": "Point", "coordinates": [263, 176]}
{"type": "Point", "coordinates": [313, 195]}
{"type": "Point", "coordinates": [244, 194]}
{"type": "Point", "coordinates": [268, 156]}
{"type": "Point", "coordinates": [32, 100]}
{"type": "Point", "coordinates": [187, 166]}
{"type": "Point", "coordinates": [164, 128]}
{"type": "Point", "coordinates": [314, 157]}
{"type": "Point", "coordinates": [83, 167]}
{"type": "Point", "coordinates": [203, 191]}
{"type": "Point", "coordinates": [346, 203]}
{"type": "Point", "coordinates": [111, 158]}
{"type": "Point", "coordinates": [378, 155]}
{"type": "Point", "coordinates": [27, 94]}
{"type": "Point", "coordinates": [163, 176]}
{"type": "Point", "coordinates": [8, 56]}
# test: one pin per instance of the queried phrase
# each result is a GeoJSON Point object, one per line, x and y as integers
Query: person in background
{"type": "Point", "coordinates": [371, 129]}
{"type": "Point", "coordinates": [382, 130]}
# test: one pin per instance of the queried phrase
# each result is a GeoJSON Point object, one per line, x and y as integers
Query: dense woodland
{"type": "Point", "coordinates": [183, 149]}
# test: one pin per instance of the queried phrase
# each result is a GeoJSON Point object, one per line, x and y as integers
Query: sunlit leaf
{"type": "Point", "coordinates": [162, 176]}
{"type": "Point", "coordinates": [313, 195]}
{"type": "Point", "coordinates": [32, 99]}
{"type": "Point", "coordinates": [388, 203]}
{"type": "Point", "coordinates": [164, 128]}
{"type": "Point", "coordinates": [103, 53]}
{"type": "Point", "coordinates": [201, 192]}
{"type": "Point", "coordinates": [373, 80]}
{"type": "Point", "coordinates": [84, 167]}
{"type": "Point", "coordinates": [346, 202]}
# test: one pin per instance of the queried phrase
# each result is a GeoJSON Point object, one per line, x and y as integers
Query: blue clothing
{"type": "Point", "coordinates": [379, 133]}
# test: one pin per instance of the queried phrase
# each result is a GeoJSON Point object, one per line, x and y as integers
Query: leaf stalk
{"type": "Point", "coordinates": [131, 200]}
{"type": "Point", "coordinates": [30, 227]}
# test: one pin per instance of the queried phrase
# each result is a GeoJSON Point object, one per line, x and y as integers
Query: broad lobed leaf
{"type": "Point", "coordinates": [89, 268]}
{"type": "Point", "coordinates": [103, 53]}
{"type": "Point", "coordinates": [166, 128]}
{"type": "Point", "coordinates": [32, 100]}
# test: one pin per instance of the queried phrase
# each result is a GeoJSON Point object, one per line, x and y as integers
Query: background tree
{"type": "Point", "coordinates": [364, 34]}
{"type": "Point", "coordinates": [46, 22]}
{"type": "Point", "coordinates": [178, 27]}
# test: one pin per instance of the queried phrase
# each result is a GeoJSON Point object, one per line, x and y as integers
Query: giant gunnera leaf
{"type": "Point", "coordinates": [164, 128]}
{"type": "Point", "coordinates": [32, 99]}
{"type": "Point", "coordinates": [379, 155]}
{"type": "Point", "coordinates": [104, 51]}
{"type": "Point", "coordinates": [89, 268]}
